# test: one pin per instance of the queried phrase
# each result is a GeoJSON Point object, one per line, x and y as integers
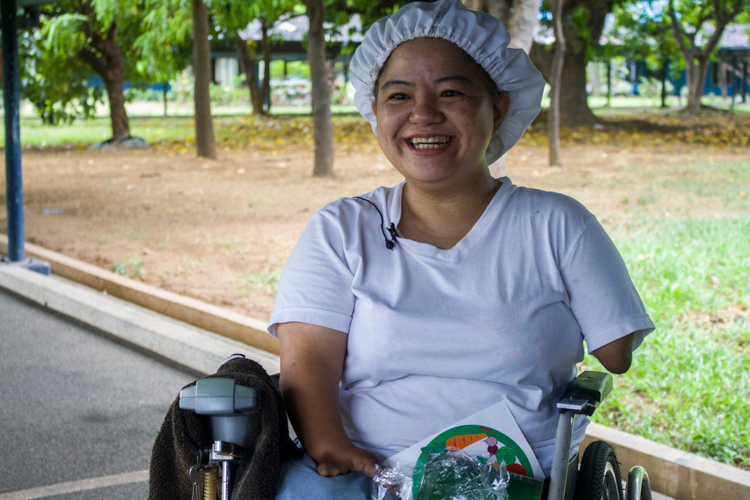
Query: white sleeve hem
{"type": "Point", "coordinates": [310, 315]}
{"type": "Point", "coordinates": [640, 324]}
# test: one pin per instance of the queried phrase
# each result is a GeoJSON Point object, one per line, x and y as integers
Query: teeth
{"type": "Point", "coordinates": [430, 142]}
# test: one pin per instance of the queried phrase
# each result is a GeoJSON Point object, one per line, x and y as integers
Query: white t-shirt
{"type": "Point", "coordinates": [438, 335]}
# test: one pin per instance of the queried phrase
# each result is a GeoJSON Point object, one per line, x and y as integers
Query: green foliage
{"type": "Point", "coordinates": [234, 15]}
{"type": "Point", "coordinates": [165, 46]}
{"type": "Point", "coordinates": [63, 34]}
{"type": "Point", "coordinates": [294, 69]}
{"type": "Point", "coordinates": [266, 280]}
{"type": "Point", "coordinates": [131, 267]}
{"type": "Point", "coordinates": [651, 23]}
{"type": "Point", "coordinates": [643, 33]}
{"type": "Point", "coordinates": [53, 79]}
{"type": "Point", "coordinates": [54, 74]}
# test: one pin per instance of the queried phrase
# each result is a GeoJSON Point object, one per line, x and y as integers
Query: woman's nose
{"type": "Point", "coordinates": [426, 111]}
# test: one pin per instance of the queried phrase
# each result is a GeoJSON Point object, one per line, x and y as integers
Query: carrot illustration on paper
{"type": "Point", "coordinates": [464, 440]}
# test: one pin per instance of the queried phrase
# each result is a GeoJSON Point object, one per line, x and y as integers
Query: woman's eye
{"type": "Point", "coordinates": [397, 96]}
{"type": "Point", "coordinates": [451, 93]}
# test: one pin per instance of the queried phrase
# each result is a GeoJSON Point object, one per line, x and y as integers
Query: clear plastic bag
{"type": "Point", "coordinates": [447, 475]}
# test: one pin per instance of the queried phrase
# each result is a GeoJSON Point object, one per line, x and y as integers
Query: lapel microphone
{"type": "Point", "coordinates": [389, 243]}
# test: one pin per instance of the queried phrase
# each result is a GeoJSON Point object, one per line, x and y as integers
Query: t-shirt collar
{"type": "Point", "coordinates": [393, 214]}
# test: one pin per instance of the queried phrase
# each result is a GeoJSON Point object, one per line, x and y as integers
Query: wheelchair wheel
{"type": "Point", "coordinates": [599, 476]}
{"type": "Point", "coordinates": [639, 486]}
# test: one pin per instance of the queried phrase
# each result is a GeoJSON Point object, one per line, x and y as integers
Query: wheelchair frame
{"type": "Point", "coordinates": [230, 416]}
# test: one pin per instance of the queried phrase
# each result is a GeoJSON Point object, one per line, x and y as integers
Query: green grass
{"type": "Point", "coordinates": [85, 132]}
{"type": "Point", "coordinates": [690, 382]}
{"type": "Point", "coordinates": [131, 267]}
{"type": "Point", "coordinates": [267, 280]}
{"type": "Point", "coordinates": [727, 183]}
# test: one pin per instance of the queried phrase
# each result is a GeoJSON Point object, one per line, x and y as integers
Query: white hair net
{"type": "Point", "coordinates": [480, 35]}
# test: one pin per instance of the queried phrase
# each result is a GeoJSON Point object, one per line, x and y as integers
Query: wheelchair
{"type": "Point", "coordinates": [230, 407]}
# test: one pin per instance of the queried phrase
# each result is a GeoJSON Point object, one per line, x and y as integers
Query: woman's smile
{"type": "Point", "coordinates": [433, 144]}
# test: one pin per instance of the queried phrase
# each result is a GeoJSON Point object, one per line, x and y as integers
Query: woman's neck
{"type": "Point", "coordinates": [443, 218]}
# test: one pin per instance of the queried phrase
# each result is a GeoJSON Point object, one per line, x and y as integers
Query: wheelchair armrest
{"type": "Point", "coordinates": [584, 394]}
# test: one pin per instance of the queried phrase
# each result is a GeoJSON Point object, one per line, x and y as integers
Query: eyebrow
{"type": "Point", "coordinates": [453, 78]}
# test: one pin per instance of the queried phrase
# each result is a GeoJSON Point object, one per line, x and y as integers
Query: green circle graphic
{"type": "Point", "coordinates": [508, 453]}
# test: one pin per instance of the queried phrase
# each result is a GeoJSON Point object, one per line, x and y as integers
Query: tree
{"type": "Point", "coordinates": [642, 33]}
{"type": "Point", "coordinates": [695, 14]}
{"type": "Point", "coordinates": [245, 53]}
{"type": "Point", "coordinates": [94, 30]}
{"type": "Point", "coordinates": [583, 24]}
{"type": "Point", "coordinates": [553, 115]}
{"type": "Point", "coordinates": [234, 17]}
{"type": "Point", "coordinates": [204, 125]}
{"type": "Point", "coordinates": [520, 18]}
{"type": "Point", "coordinates": [321, 95]}
{"type": "Point", "coordinates": [522, 22]}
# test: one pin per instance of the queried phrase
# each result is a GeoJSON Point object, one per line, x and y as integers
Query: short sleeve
{"type": "Point", "coordinates": [602, 295]}
{"type": "Point", "coordinates": [316, 284]}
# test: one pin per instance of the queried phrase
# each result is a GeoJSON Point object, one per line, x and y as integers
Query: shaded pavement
{"type": "Point", "coordinates": [76, 404]}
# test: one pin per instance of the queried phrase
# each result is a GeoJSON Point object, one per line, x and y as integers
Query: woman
{"type": "Point", "coordinates": [479, 291]}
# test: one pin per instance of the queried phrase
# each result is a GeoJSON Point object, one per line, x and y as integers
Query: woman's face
{"type": "Point", "coordinates": [435, 113]}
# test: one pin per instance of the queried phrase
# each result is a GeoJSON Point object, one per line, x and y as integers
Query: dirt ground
{"type": "Point", "coordinates": [221, 230]}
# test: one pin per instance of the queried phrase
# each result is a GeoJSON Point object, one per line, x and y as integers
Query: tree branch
{"type": "Point", "coordinates": [679, 32]}
{"type": "Point", "coordinates": [722, 19]}
{"type": "Point", "coordinates": [97, 63]}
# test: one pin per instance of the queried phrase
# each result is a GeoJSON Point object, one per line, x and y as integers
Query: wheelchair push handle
{"type": "Point", "coordinates": [229, 407]}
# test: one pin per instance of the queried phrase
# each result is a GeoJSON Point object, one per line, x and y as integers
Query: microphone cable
{"type": "Point", "coordinates": [389, 243]}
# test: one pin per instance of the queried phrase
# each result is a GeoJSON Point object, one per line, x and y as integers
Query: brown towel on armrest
{"type": "Point", "coordinates": [267, 442]}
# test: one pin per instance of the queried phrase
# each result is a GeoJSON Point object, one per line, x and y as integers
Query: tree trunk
{"type": "Point", "coordinates": [696, 79]}
{"type": "Point", "coordinates": [521, 24]}
{"type": "Point", "coordinates": [265, 87]}
{"type": "Point", "coordinates": [247, 66]}
{"type": "Point", "coordinates": [116, 93]}
{"type": "Point", "coordinates": [542, 56]}
{"type": "Point", "coordinates": [553, 115]}
{"type": "Point", "coordinates": [321, 97]}
{"type": "Point", "coordinates": [500, 9]}
{"type": "Point", "coordinates": [721, 69]}
{"type": "Point", "coordinates": [258, 93]}
{"type": "Point", "coordinates": [204, 126]}
{"type": "Point", "coordinates": [109, 65]}
{"type": "Point", "coordinates": [574, 106]}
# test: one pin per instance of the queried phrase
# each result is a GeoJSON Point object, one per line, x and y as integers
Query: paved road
{"type": "Point", "coordinates": [75, 404]}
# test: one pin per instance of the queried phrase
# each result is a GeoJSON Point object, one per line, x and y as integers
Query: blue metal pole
{"type": "Point", "coordinates": [11, 96]}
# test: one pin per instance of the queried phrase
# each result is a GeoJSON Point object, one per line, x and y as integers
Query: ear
{"type": "Point", "coordinates": [501, 106]}
{"type": "Point", "coordinates": [374, 105]}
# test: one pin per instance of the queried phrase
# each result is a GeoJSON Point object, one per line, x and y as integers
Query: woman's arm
{"type": "Point", "coordinates": [312, 360]}
{"type": "Point", "coordinates": [616, 356]}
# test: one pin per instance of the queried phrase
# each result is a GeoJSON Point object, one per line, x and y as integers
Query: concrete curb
{"type": "Point", "coordinates": [229, 324]}
{"type": "Point", "coordinates": [184, 344]}
{"type": "Point", "coordinates": [675, 473]}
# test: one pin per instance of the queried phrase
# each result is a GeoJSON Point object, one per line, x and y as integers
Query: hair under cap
{"type": "Point", "coordinates": [478, 34]}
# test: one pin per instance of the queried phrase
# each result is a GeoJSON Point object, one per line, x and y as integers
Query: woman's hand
{"type": "Point", "coordinates": [335, 462]}
{"type": "Point", "coordinates": [312, 360]}
{"type": "Point", "coordinates": [616, 356]}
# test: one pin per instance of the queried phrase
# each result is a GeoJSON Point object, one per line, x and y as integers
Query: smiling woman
{"type": "Point", "coordinates": [484, 292]}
